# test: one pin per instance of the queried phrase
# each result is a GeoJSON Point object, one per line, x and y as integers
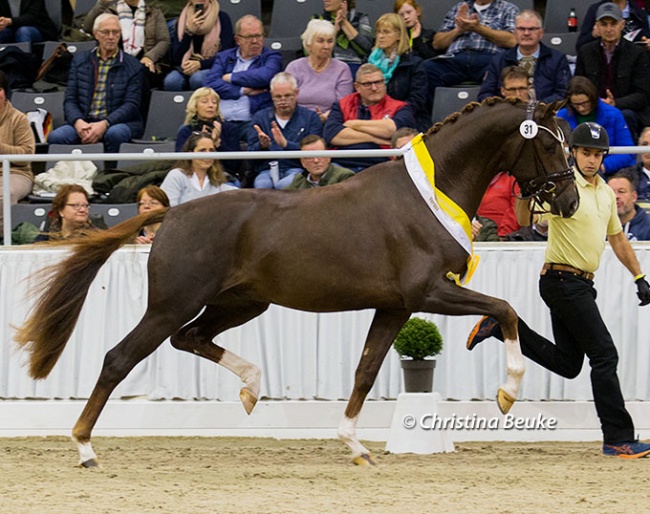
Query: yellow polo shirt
{"type": "Point", "coordinates": [579, 241]}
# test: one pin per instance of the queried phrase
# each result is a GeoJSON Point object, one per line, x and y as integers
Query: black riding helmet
{"type": "Point", "coordinates": [590, 135]}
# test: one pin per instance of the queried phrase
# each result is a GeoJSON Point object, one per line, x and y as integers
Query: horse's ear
{"type": "Point", "coordinates": [552, 108]}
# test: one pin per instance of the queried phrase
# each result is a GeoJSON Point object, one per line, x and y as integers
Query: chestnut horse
{"type": "Point", "coordinates": [368, 242]}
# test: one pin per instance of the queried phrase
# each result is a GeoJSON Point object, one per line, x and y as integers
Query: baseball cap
{"type": "Point", "coordinates": [609, 10]}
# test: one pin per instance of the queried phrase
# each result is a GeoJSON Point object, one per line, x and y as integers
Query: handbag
{"type": "Point", "coordinates": [57, 67]}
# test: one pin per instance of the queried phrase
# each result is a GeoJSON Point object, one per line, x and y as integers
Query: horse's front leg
{"type": "Point", "coordinates": [385, 326]}
{"type": "Point", "coordinates": [453, 300]}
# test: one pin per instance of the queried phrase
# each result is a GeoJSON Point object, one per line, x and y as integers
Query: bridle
{"type": "Point", "coordinates": [542, 184]}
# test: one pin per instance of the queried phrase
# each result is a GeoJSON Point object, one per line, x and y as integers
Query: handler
{"type": "Point", "coordinates": [575, 246]}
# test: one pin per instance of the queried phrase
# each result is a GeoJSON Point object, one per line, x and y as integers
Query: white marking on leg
{"type": "Point", "coordinates": [515, 367]}
{"type": "Point", "coordinates": [347, 432]}
{"type": "Point", "coordinates": [249, 373]}
{"type": "Point", "coordinates": [86, 452]}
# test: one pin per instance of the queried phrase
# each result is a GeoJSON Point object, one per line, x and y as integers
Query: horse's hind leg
{"type": "Point", "coordinates": [384, 328]}
{"type": "Point", "coordinates": [458, 301]}
{"type": "Point", "coordinates": [118, 363]}
{"type": "Point", "coordinates": [196, 337]}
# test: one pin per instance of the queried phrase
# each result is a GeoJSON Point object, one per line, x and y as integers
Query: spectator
{"type": "Point", "coordinates": [641, 172]}
{"type": "Point", "coordinates": [203, 115]}
{"type": "Point", "coordinates": [472, 33]}
{"type": "Point", "coordinates": [584, 105]}
{"type": "Point", "coordinates": [548, 69]}
{"type": "Point", "coordinates": [145, 35]}
{"type": "Point", "coordinates": [69, 216]}
{"type": "Point", "coordinates": [241, 75]}
{"type": "Point", "coordinates": [199, 34]}
{"type": "Point", "coordinates": [16, 137]}
{"type": "Point", "coordinates": [26, 21]}
{"type": "Point", "coordinates": [353, 32]}
{"type": "Point", "coordinates": [634, 219]}
{"type": "Point", "coordinates": [515, 83]}
{"type": "Point", "coordinates": [636, 22]}
{"type": "Point", "coordinates": [195, 178]}
{"type": "Point", "coordinates": [103, 97]}
{"type": "Point", "coordinates": [406, 78]}
{"type": "Point", "coordinates": [150, 198]}
{"type": "Point", "coordinates": [619, 69]}
{"type": "Point", "coordinates": [402, 137]}
{"type": "Point", "coordinates": [278, 128]}
{"type": "Point", "coordinates": [322, 80]}
{"type": "Point", "coordinates": [420, 39]}
{"type": "Point", "coordinates": [318, 171]}
{"type": "Point", "coordinates": [366, 119]}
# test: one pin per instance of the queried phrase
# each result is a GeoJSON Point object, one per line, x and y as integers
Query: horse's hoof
{"type": "Point", "coordinates": [92, 463]}
{"type": "Point", "coordinates": [504, 401]}
{"type": "Point", "coordinates": [248, 400]}
{"type": "Point", "coordinates": [365, 459]}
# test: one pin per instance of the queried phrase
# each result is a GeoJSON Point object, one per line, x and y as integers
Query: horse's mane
{"type": "Point", "coordinates": [470, 107]}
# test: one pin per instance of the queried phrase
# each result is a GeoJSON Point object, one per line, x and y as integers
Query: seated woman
{"type": "Point", "coordinates": [420, 39]}
{"type": "Point", "coordinates": [353, 32]}
{"type": "Point", "coordinates": [26, 21]}
{"type": "Point", "coordinates": [69, 216]}
{"type": "Point", "coordinates": [321, 79]}
{"type": "Point", "coordinates": [403, 72]}
{"type": "Point", "coordinates": [150, 198]}
{"type": "Point", "coordinates": [16, 137]}
{"type": "Point", "coordinates": [201, 31]}
{"type": "Point", "coordinates": [195, 178]}
{"type": "Point", "coordinates": [583, 105]}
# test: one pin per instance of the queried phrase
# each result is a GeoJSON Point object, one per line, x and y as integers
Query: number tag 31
{"type": "Point", "coordinates": [528, 129]}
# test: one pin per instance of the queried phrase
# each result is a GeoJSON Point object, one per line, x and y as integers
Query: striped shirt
{"type": "Point", "coordinates": [98, 107]}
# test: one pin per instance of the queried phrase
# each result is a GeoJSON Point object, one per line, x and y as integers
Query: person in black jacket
{"type": "Point", "coordinates": [619, 69]}
{"type": "Point", "coordinates": [27, 23]}
{"type": "Point", "coordinates": [636, 23]}
{"type": "Point", "coordinates": [420, 39]}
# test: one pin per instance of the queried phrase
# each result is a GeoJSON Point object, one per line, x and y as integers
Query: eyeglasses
{"type": "Point", "coordinates": [283, 97]}
{"type": "Point", "coordinates": [577, 105]}
{"type": "Point", "coordinates": [152, 203]}
{"type": "Point", "coordinates": [79, 206]}
{"type": "Point", "coordinates": [528, 29]}
{"type": "Point", "coordinates": [251, 37]}
{"type": "Point", "coordinates": [368, 85]}
{"type": "Point", "coordinates": [106, 32]}
{"type": "Point", "coordinates": [517, 89]}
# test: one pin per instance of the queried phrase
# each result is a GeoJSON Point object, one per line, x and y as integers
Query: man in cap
{"type": "Point", "coordinates": [575, 246]}
{"type": "Point", "coordinates": [619, 69]}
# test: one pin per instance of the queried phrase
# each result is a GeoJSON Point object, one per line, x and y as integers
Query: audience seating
{"type": "Point", "coordinates": [55, 9]}
{"type": "Point", "coordinates": [289, 18]}
{"type": "Point", "coordinates": [376, 8]}
{"type": "Point", "coordinates": [114, 213]}
{"type": "Point", "coordinates": [53, 102]}
{"type": "Point", "coordinates": [289, 47]}
{"type": "Point", "coordinates": [166, 114]}
{"type": "Point", "coordinates": [524, 4]}
{"type": "Point", "coordinates": [25, 47]}
{"type": "Point", "coordinates": [155, 147]}
{"type": "Point", "coordinates": [563, 41]}
{"type": "Point", "coordinates": [83, 7]}
{"type": "Point", "coordinates": [36, 214]}
{"type": "Point", "coordinates": [73, 47]}
{"type": "Point", "coordinates": [238, 8]}
{"type": "Point", "coordinates": [452, 99]}
{"type": "Point", "coordinates": [557, 11]}
{"type": "Point", "coordinates": [75, 149]}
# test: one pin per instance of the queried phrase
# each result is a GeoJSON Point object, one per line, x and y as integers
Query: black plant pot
{"type": "Point", "coordinates": [418, 375]}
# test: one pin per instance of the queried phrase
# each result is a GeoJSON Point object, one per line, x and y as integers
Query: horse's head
{"type": "Point", "coordinates": [541, 166]}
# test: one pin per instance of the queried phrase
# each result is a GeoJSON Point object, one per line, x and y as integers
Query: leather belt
{"type": "Point", "coordinates": [551, 266]}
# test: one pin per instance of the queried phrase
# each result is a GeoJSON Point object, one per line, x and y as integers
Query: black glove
{"type": "Point", "coordinates": [643, 290]}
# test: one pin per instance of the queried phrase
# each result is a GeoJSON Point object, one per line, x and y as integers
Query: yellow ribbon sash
{"type": "Point", "coordinates": [421, 169]}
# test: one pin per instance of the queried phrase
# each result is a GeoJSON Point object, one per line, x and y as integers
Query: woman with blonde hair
{"type": "Point", "coordinates": [202, 30]}
{"type": "Point", "coordinates": [322, 79]}
{"type": "Point", "coordinates": [403, 72]}
{"type": "Point", "coordinates": [195, 178]}
{"type": "Point", "coordinates": [420, 39]}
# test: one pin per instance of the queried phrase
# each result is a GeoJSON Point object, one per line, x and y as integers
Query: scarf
{"type": "Point", "coordinates": [132, 26]}
{"type": "Point", "coordinates": [385, 64]}
{"type": "Point", "coordinates": [210, 32]}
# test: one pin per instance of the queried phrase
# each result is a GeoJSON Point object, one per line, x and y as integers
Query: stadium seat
{"type": "Point", "coordinates": [75, 149]}
{"type": "Point", "coordinates": [83, 7]}
{"type": "Point", "coordinates": [73, 47]}
{"type": "Point", "coordinates": [289, 18]}
{"type": "Point", "coordinates": [114, 213]}
{"type": "Point", "coordinates": [25, 47]}
{"type": "Point", "coordinates": [238, 8]}
{"type": "Point", "coordinates": [52, 102]}
{"type": "Point", "coordinates": [55, 9]}
{"type": "Point", "coordinates": [289, 47]}
{"type": "Point", "coordinates": [36, 214]}
{"type": "Point", "coordinates": [557, 11]}
{"type": "Point", "coordinates": [565, 42]}
{"type": "Point", "coordinates": [166, 115]}
{"type": "Point", "coordinates": [452, 99]}
{"type": "Point", "coordinates": [375, 8]}
{"type": "Point", "coordinates": [150, 148]}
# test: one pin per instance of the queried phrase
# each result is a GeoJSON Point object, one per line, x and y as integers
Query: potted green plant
{"type": "Point", "coordinates": [417, 342]}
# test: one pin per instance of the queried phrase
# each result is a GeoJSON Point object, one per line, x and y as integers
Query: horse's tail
{"type": "Point", "coordinates": [48, 327]}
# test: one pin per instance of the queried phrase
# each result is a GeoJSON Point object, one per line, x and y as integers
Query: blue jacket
{"type": "Point", "coordinates": [641, 180]}
{"type": "Point", "coordinates": [638, 228]}
{"type": "Point", "coordinates": [611, 119]}
{"type": "Point", "coordinates": [552, 74]}
{"type": "Point", "coordinates": [258, 76]}
{"type": "Point", "coordinates": [303, 123]}
{"type": "Point", "coordinates": [124, 86]}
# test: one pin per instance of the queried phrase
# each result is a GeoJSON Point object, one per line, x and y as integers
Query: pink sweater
{"type": "Point", "coordinates": [321, 89]}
